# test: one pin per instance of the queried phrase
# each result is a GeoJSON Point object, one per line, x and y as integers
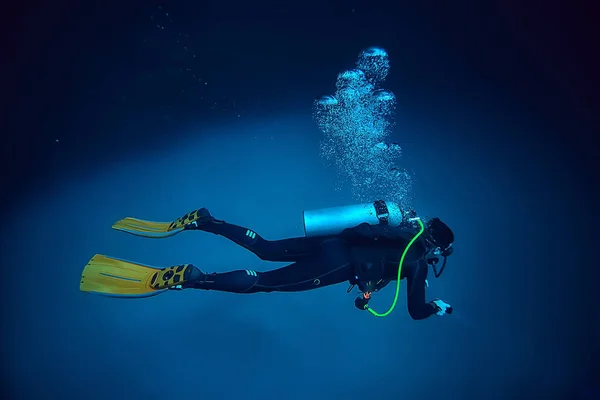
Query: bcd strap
{"type": "Point", "coordinates": [382, 212]}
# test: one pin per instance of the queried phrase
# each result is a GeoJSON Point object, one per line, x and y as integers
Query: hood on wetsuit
{"type": "Point", "coordinates": [440, 239]}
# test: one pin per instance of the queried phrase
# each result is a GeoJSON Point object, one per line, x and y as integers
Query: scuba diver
{"type": "Point", "coordinates": [367, 245]}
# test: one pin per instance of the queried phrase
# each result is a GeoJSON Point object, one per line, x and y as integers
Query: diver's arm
{"type": "Point", "coordinates": [418, 308]}
{"type": "Point", "coordinates": [381, 284]}
{"type": "Point", "coordinates": [366, 233]}
{"type": "Point", "coordinates": [362, 231]}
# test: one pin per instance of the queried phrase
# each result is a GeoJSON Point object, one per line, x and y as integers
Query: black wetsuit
{"type": "Point", "coordinates": [363, 253]}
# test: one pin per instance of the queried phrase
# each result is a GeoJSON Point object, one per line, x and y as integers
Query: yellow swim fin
{"type": "Point", "coordinates": [118, 278]}
{"type": "Point", "coordinates": [152, 229]}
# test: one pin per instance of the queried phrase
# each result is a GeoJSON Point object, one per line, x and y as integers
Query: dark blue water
{"type": "Point", "coordinates": [137, 138]}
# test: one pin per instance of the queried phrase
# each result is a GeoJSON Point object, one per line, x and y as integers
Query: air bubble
{"type": "Point", "coordinates": [375, 63]}
{"type": "Point", "coordinates": [395, 147]}
{"type": "Point", "coordinates": [327, 101]}
{"type": "Point", "coordinates": [384, 95]}
{"type": "Point", "coordinates": [351, 78]}
{"type": "Point", "coordinates": [356, 123]}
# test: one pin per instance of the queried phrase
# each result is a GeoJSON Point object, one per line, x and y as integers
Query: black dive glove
{"type": "Point", "coordinates": [362, 302]}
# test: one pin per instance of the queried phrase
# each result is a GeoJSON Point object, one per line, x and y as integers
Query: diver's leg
{"type": "Point", "coordinates": [330, 267]}
{"type": "Point", "coordinates": [296, 277]}
{"type": "Point", "coordinates": [270, 250]}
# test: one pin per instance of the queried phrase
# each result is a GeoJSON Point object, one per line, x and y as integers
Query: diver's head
{"type": "Point", "coordinates": [439, 238]}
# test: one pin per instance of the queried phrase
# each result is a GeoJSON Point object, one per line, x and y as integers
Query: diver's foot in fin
{"type": "Point", "coordinates": [119, 278]}
{"type": "Point", "coordinates": [190, 221]}
{"type": "Point", "coordinates": [197, 219]}
{"type": "Point", "coordinates": [177, 277]}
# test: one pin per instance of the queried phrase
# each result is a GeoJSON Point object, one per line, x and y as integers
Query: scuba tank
{"type": "Point", "coordinates": [332, 221]}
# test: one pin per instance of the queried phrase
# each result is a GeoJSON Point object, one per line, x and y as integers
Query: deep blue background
{"type": "Point", "coordinates": [496, 116]}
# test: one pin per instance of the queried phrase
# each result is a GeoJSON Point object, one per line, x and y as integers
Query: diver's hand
{"type": "Point", "coordinates": [361, 303]}
{"type": "Point", "coordinates": [441, 307]}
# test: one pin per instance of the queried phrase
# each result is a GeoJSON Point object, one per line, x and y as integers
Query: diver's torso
{"type": "Point", "coordinates": [382, 255]}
